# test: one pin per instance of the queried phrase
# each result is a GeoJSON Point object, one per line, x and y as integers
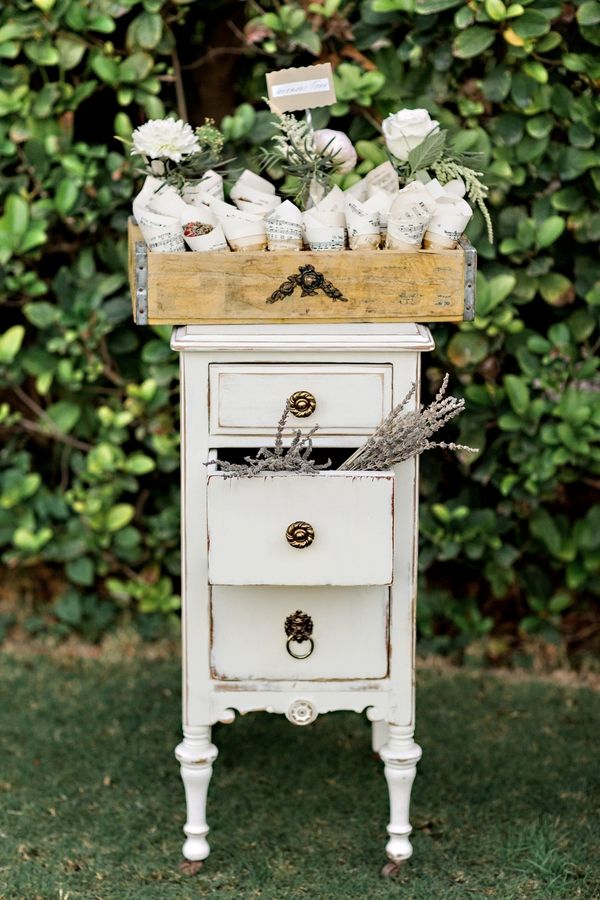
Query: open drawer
{"type": "Point", "coordinates": [335, 528]}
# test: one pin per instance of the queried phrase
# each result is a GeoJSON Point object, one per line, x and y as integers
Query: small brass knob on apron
{"type": "Point", "coordinates": [300, 534]}
{"type": "Point", "coordinates": [299, 628]}
{"type": "Point", "coordinates": [302, 404]}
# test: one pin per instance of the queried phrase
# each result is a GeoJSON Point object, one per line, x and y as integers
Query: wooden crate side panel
{"type": "Point", "coordinates": [379, 286]}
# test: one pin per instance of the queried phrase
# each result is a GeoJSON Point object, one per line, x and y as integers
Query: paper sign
{"type": "Point", "coordinates": [302, 88]}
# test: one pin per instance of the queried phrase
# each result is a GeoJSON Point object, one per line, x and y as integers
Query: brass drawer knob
{"type": "Point", "coordinates": [300, 534]}
{"type": "Point", "coordinates": [299, 628]}
{"type": "Point", "coordinates": [302, 404]}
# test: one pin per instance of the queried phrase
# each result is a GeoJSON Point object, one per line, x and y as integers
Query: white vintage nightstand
{"type": "Point", "coordinates": [298, 591]}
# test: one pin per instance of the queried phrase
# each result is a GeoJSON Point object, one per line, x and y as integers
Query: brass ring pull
{"type": "Point", "coordinates": [302, 404]}
{"type": "Point", "coordinates": [299, 628]}
{"type": "Point", "coordinates": [300, 534]}
{"type": "Point", "coordinates": [288, 646]}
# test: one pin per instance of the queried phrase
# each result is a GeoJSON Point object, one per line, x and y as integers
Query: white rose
{"type": "Point", "coordinates": [406, 129]}
{"type": "Point", "coordinates": [337, 145]}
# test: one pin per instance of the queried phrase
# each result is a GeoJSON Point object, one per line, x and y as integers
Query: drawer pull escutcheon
{"type": "Point", "coordinates": [300, 534]}
{"type": "Point", "coordinates": [299, 628]}
{"type": "Point", "coordinates": [302, 404]}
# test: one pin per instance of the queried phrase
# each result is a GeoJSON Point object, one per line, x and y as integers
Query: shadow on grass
{"type": "Point", "coordinates": [505, 803]}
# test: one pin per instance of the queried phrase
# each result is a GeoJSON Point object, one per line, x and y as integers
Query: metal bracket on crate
{"type": "Point", "coordinates": [141, 283]}
{"type": "Point", "coordinates": [470, 274]}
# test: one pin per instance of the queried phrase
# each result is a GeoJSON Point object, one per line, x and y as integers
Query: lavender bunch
{"type": "Point", "coordinates": [405, 434]}
{"type": "Point", "coordinates": [295, 459]}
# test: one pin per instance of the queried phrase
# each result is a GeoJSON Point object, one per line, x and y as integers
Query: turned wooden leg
{"type": "Point", "coordinates": [380, 732]}
{"type": "Point", "coordinates": [400, 756]}
{"type": "Point", "coordinates": [196, 755]}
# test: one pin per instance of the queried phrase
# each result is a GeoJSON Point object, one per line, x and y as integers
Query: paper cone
{"type": "Point", "coordinates": [363, 225]}
{"type": "Point", "coordinates": [451, 217]}
{"type": "Point", "coordinates": [382, 178]}
{"type": "Point", "coordinates": [244, 232]}
{"type": "Point", "coordinates": [323, 235]}
{"type": "Point", "coordinates": [434, 188]}
{"type": "Point", "coordinates": [209, 187]}
{"type": "Point", "coordinates": [359, 190]}
{"type": "Point", "coordinates": [163, 234]}
{"type": "Point", "coordinates": [284, 227]}
{"type": "Point", "coordinates": [201, 231]}
{"type": "Point", "coordinates": [409, 215]}
{"type": "Point", "coordinates": [334, 201]}
{"type": "Point", "coordinates": [166, 201]}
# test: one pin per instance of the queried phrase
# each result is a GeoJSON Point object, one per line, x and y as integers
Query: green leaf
{"type": "Point", "coordinates": [496, 10]}
{"type": "Point", "coordinates": [66, 196]}
{"type": "Point", "coordinates": [64, 414]}
{"type": "Point", "coordinates": [428, 151]}
{"type": "Point", "coordinates": [139, 464]}
{"type": "Point", "coordinates": [518, 393]}
{"type": "Point", "coordinates": [531, 24]}
{"type": "Point", "coordinates": [473, 41]}
{"type": "Point", "coordinates": [68, 608]}
{"type": "Point", "coordinates": [136, 67]}
{"type": "Point", "coordinates": [556, 289]}
{"type": "Point", "coordinates": [106, 68]}
{"type": "Point", "coordinates": [542, 526]}
{"type": "Point", "coordinates": [467, 349]}
{"type": "Point", "coordinates": [70, 50]}
{"type": "Point", "coordinates": [81, 571]}
{"type": "Point", "coordinates": [41, 313]}
{"type": "Point", "coordinates": [119, 516]}
{"type": "Point", "coordinates": [148, 30]}
{"type": "Point", "coordinates": [426, 7]}
{"type": "Point", "coordinates": [10, 344]}
{"type": "Point", "coordinates": [589, 13]}
{"type": "Point", "coordinates": [16, 214]}
{"type": "Point", "coordinates": [550, 230]}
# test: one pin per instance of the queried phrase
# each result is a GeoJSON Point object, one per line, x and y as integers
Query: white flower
{"type": "Point", "coordinates": [338, 145]}
{"type": "Point", "coordinates": [407, 129]}
{"type": "Point", "coordinates": [164, 139]}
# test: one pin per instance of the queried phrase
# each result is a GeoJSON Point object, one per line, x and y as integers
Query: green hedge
{"type": "Point", "coordinates": [88, 408]}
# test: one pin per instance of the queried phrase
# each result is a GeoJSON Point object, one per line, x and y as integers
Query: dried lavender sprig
{"type": "Point", "coordinates": [295, 459]}
{"type": "Point", "coordinates": [405, 434]}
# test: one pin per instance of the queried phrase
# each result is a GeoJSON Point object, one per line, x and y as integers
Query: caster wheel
{"type": "Point", "coordinates": [392, 869]}
{"type": "Point", "coordinates": [190, 867]}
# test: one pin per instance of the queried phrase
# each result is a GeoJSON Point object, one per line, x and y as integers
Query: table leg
{"type": "Point", "coordinates": [196, 755]}
{"type": "Point", "coordinates": [400, 756]}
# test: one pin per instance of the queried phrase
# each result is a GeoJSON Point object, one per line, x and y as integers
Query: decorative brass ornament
{"type": "Point", "coordinates": [302, 404]}
{"type": "Point", "coordinates": [299, 628]}
{"type": "Point", "coordinates": [309, 281]}
{"type": "Point", "coordinates": [300, 534]}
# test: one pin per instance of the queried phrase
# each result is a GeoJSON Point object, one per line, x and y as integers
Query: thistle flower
{"type": "Point", "coordinates": [165, 139]}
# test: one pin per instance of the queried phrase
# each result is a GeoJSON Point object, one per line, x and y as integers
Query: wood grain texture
{"type": "Point", "coordinates": [380, 286]}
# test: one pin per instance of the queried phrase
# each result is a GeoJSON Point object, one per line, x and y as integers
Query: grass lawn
{"type": "Point", "coordinates": [505, 804]}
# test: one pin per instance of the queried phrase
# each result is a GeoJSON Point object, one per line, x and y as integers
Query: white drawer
{"type": "Point", "coordinates": [349, 633]}
{"type": "Point", "coordinates": [249, 399]}
{"type": "Point", "coordinates": [334, 528]}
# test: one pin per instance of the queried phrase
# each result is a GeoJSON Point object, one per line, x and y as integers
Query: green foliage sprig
{"type": "Point", "coordinates": [293, 151]}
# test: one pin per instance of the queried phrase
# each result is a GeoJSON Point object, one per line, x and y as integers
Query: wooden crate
{"type": "Point", "coordinates": [300, 286]}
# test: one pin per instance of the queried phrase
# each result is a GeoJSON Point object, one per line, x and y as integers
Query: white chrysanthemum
{"type": "Point", "coordinates": [165, 139]}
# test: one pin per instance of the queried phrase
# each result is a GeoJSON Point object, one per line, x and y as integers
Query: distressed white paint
{"type": "Point", "coordinates": [250, 399]}
{"type": "Point", "coordinates": [351, 514]}
{"type": "Point", "coordinates": [350, 633]}
{"type": "Point", "coordinates": [346, 684]}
